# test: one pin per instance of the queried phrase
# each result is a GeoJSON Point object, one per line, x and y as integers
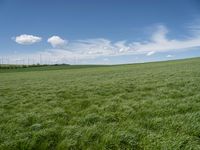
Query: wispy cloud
{"type": "Point", "coordinates": [26, 39]}
{"type": "Point", "coordinates": [64, 51]}
{"type": "Point", "coordinates": [150, 53]}
{"type": "Point", "coordinates": [169, 56]}
{"type": "Point", "coordinates": [158, 42]}
{"type": "Point", "coordinates": [160, 34]}
{"type": "Point", "coordinates": [194, 27]}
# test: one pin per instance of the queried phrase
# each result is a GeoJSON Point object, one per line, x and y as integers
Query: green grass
{"type": "Point", "coordinates": [141, 106]}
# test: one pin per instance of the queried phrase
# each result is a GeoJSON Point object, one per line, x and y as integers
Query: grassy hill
{"type": "Point", "coordinates": [140, 106]}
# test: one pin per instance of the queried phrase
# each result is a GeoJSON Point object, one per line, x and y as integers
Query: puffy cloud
{"type": "Point", "coordinates": [81, 50]}
{"type": "Point", "coordinates": [57, 42]}
{"type": "Point", "coordinates": [158, 43]}
{"type": "Point", "coordinates": [26, 39]}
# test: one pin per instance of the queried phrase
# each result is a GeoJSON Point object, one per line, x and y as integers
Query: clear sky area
{"type": "Point", "coordinates": [98, 31]}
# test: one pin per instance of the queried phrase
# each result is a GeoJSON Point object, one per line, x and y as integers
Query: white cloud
{"type": "Point", "coordinates": [150, 53]}
{"type": "Point", "coordinates": [105, 59]}
{"type": "Point", "coordinates": [194, 27]}
{"type": "Point", "coordinates": [25, 39]}
{"type": "Point", "coordinates": [160, 34]}
{"type": "Point", "coordinates": [160, 43]}
{"type": "Point", "coordinates": [82, 50]}
{"type": "Point", "coordinates": [121, 45]}
{"type": "Point", "coordinates": [57, 42]}
{"type": "Point", "coordinates": [169, 56]}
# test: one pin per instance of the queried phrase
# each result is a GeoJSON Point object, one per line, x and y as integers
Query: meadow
{"type": "Point", "coordinates": [129, 107]}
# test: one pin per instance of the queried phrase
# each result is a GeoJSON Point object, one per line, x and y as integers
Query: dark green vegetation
{"type": "Point", "coordinates": [141, 106]}
{"type": "Point", "coordinates": [25, 68]}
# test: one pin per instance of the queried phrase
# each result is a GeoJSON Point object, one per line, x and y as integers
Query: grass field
{"type": "Point", "coordinates": [141, 106]}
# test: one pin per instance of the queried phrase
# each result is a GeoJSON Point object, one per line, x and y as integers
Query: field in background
{"type": "Point", "coordinates": [25, 68]}
{"type": "Point", "coordinates": [139, 106]}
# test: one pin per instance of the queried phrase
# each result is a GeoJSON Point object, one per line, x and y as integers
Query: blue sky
{"type": "Point", "coordinates": [98, 31]}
